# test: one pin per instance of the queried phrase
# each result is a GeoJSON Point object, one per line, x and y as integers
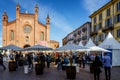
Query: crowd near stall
{"type": "Point", "coordinates": [68, 58]}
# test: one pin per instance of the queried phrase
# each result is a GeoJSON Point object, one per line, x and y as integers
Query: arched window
{"type": "Point", "coordinates": [42, 36]}
{"type": "Point", "coordinates": [11, 35]}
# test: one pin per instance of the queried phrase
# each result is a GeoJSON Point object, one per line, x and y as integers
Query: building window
{"type": "Point", "coordinates": [108, 22]}
{"type": "Point", "coordinates": [42, 36]}
{"type": "Point", "coordinates": [118, 18]}
{"type": "Point", "coordinates": [100, 25]}
{"type": "Point", "coordinates": [108, 12]}
{"type": "Point", "coordinates": [118, 33]}
{"type": "Point", "coordinates": [11, 35]}
{"type": "Point", "coordinates": [94, 20]}
{"type": "Point", "coordinates": [94, 28]}
{"type": "Point", "coordinates": [100, 37]}
{"type": "Point", "coordinates": [118, 6]}
{"type": "Point", "coordinates": [100, 16]}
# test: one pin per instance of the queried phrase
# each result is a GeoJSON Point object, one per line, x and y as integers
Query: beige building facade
{"type": "Point", "coordinates": [82, 34]}
{"type": "Point", "coordinates": [105, 20]}
{"type": "Point", "coordinates": [25, 30]}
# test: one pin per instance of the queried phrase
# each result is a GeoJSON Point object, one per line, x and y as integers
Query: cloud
{"type": "Point", "coordinates": [93, 5]}
{"type": "Point", "coordinates": [57, 19]}
{"type": "Point", "coordinates": [59, 22]}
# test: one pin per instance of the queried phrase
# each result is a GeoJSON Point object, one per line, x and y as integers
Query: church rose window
{"type": "Point", "coordinates": [27, 29]}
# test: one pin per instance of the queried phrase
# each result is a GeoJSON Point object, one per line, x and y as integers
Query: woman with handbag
{"type": "Point", "coordinates": [97, 64]}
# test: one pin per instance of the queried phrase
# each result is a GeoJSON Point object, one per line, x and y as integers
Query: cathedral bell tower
{"type": "Point", "coordinates": [17, 38]}
{"type": "Point", "coordinates": [36, 12]}
{"type": "Point", "coordinates": [5, 18]}
{"type": "Point", "coordinates": [17, 11]}
{"type": "Point", "coordinates": [36, 24]}
{"type": "Point", "coordinates": [48, 29]}
{"type": "Point", "coordinates": [4, 28]}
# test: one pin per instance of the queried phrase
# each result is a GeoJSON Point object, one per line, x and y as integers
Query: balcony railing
{"type": "Point", "coordinates": [75, 34]}
{"type": "Point", "coordinates": [84, 37]}
{"type": "Point", "coordinates": [108, 27]}
{"type": "Point", "coordinates": [70, 39]}
{"type": "Point", "coordinates": [93, 33]}
{"type": "Point", "coordinates": [79, 32]}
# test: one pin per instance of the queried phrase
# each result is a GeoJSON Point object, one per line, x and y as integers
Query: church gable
{"type": "Point", "coordinates": [41, 24]}
{"type": "Point", "coordinates": [12, 22]}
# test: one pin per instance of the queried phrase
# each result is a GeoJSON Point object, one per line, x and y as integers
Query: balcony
{"type": "Point", "coordinates": [84, 37]}
{"type": "Point", "coordinates": [78, 39]}
{"type": "Point", "coordinates": [75, 41]}
{"type": "Point", "coordinates": [93, 33]}
{"type": "Point", "coordinates": [110, 27]}
{"type": "Point", "coordinates": [79, 32]}
{"type": "Point", "coordinates": [70, 39]}
{"type": "Point", "coordinates": [75, 34]}
{"type": "Point", "coordinates": [84, 29]}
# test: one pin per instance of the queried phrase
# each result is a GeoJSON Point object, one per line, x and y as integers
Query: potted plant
{"type": "Point", "coordinates": [71, 70]}
{"type": "Point", "coordinates": [39, 68]}
{"type": "Point", "coordinates": [12, 65]}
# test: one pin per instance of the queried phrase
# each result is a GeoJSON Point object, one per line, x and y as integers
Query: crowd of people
{"type": "Point", "coordinates": [61, 60]}
{"type": "Point", "coordinates": [106, 62]}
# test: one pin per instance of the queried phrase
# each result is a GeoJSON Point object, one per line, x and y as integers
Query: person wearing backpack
{"type": "Point", "coordinates": [107, 66]}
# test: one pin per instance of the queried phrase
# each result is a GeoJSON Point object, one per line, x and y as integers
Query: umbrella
{"type": "Point", "coordinates": [12, 47]}
{"type": "Point", "coordinates": [38, 47]}
{"type": "Point", "coordinates": [70, 47]}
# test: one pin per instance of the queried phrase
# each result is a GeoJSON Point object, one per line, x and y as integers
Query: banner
{"type": "Point", "coordinates": [43, 43]}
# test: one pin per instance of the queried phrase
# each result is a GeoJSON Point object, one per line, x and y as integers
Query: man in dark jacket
{"type": "Point", "coordinates": [1, 61]}
{"type": "Point", "coordinates": [97, 64]}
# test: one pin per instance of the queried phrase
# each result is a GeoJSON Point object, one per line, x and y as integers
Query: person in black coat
{"type": "Point", "coordinates": [97, 64]}
{"type": "Point", "coordinates": [1, 61]}
{"type": "Point", "coordinates": [29, 59]}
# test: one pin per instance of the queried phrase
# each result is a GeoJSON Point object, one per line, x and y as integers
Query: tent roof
{"type": "Point", "coordinates": [38, 47]}
{"type": "Point", "coordinates": [80, 44]}
{"type": "Point", "coordinates": [96, 48]}
{"type": "Point", "coordinates": [11, 46]}
{"type": "Point", "coordinates": [90, 43]}
{"type": "Point", "coordinates": [110, 42]}
{"type": "Point", "coordinates": [70, 47]}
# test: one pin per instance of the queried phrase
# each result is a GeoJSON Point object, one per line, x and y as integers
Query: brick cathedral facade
{"type": "Point", "coordinates": [25, 30]}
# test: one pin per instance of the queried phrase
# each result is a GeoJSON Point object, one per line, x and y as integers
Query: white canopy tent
{"type": "Point", "coordinates": [110, 43]}
{"type": "Point", "coordinates": [92, 47]}
{"type": "Point", "coordinates": [80, 44]}
{"type": "Point", "coordinates": [114, 46]}
{"type": "Point", "coordinates": [96, 48]}
{"type": "Point", "coordinates": [70, 47]}
{"type": "Point", "coordinates": [90, 43]}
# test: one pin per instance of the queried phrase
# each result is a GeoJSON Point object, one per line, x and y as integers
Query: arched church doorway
{"type": "Point", "coordinates": [25, 46]}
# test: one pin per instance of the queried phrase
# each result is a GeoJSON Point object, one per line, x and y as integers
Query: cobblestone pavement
{"type": "Point", "coordinates": [53, 74]}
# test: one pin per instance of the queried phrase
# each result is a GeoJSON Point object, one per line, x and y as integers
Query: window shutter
{"type": "Point", "coordinates": [105, 23]}
{"type": "Point", "coordinates": [110, 21]}
{"type": "Point", "coordinates": [115, 19]}
{"type": "Point", "coordinates": [97, 27]}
